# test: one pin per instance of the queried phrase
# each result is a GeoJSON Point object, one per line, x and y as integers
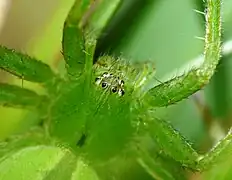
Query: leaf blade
{"type": "Point", "coordinates": [24, 164]}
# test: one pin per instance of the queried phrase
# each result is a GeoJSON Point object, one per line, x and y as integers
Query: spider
{"type": "Point", "coordinates": [102, 123]}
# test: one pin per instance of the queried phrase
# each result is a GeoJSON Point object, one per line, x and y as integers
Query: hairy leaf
{"type": "Point", "coordinates": [30, 163]}
{"type": "Point", "coordinates": [34, 136]}
{"type": "Point", "coordinates": [84, 171]}
{"type": "Point", "coordinates": [64, 169]}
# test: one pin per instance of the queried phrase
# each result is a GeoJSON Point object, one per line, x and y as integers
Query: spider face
{"type": "Point", "coordinates": [113, 83]}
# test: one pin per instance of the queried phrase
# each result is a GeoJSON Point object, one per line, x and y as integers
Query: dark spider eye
{"type": "Point", "coordinates": [121, 92]}
{"type": "Point", "coordinates": [105, 74]}
{"type": "Point", "coordinates": [114, 89]}
{"type": "Point", "coordinates": [104, 85]}
{"type": "Point", "coordinates": [97, 79]}
{"type": "Point", "coordinates": [122, 82]}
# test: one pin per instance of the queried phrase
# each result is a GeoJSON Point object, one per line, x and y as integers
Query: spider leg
{"type": "Point", "coordinates": [180, 87]}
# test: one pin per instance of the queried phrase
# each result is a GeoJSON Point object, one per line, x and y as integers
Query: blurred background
{"type": "Point", "coordinates": [167, 32]}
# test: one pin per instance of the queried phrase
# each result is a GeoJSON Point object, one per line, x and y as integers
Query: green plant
{"type": "Point", "coordinates": [87, 115]}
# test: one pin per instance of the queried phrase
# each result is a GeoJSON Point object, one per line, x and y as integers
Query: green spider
{"type": "Point", "coordinates": [95, 109]}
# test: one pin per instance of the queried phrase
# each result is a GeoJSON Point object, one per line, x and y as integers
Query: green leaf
{"type": "Point", "coordinates": [185, 85]}
{"type": "Point", "coordinates": [30, 163]}
{"type": "Point", "coordinates": [84, 172]}
{"type": "Point", "coordinates": [64, 169]}
{"type": "Point", "coordinates": [24, 66]}
{"type": "Point", "coordinates": [34, 136]}
{"type": "Point", "coordinates": [17, 97]}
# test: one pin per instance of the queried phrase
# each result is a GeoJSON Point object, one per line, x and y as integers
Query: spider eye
{"type": "Point", "coordinates": [121, 92]}
{"type": "Point", "coordinates": [121, 82]}
{"type": "Point", "coordinates": [106, 75]}
{"type": "Point", "coordinates": [104, 85]}
{"type": "Point", "coordinates": [97, 80]}
{"type": "Point", "coordinates": [114, 89]}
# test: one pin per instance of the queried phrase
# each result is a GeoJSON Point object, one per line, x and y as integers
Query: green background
{"type": "Point", "coordinates": [161, 31]}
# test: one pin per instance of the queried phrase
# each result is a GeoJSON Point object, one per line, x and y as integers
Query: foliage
{"type": "Point", "coordinates": [100, 120]}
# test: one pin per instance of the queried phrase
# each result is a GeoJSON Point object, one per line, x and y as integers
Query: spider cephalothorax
{"type": "Point", "coordinates": [112, 73]}
{"type": "Point", "coordinates": [111, 82]}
